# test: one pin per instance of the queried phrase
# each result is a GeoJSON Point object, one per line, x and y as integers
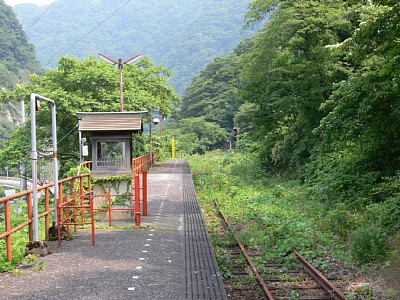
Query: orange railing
{"type": "Point", "coordinates": [139, 195]}
{"type": "Point", "coordinates": [73, 205]}
{"type": "Point", "coordinates": [138, 164]}
{"type": "Point", "coordinates": [76, 197]}
{"type": "Point", "coordinates": [141, 163]}
{"type": "Point", "coordinates": [26, 196]}
{"type": "Point", "coordinates": [85, 164]}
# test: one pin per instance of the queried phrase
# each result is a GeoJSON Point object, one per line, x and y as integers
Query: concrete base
{"type": "Point", "coordinates": [37, 247]}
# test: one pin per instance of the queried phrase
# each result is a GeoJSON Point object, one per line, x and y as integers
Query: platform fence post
{"type": "Point", "coordinates": [137, 201]}
{"type": "Point", "coordinates": [144, 179]}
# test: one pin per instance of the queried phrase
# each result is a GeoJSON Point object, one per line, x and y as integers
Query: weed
{"type": "Point", "coordinates": [367, 291]}
{"type": "Point", "coordinates": [40, 266]}
{"type": "Point", "coordinates": [390, 293]}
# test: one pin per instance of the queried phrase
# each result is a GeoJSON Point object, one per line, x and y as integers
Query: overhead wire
{"type": "Point", "coordinates": [34, 22]}
{"type": "Point", "coordinates": [85, 35]}
{"type": "Point", "coordinates": [76, 126]}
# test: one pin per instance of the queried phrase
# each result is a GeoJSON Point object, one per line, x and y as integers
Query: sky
{"type": "Point", "coordinates": [37, 2]}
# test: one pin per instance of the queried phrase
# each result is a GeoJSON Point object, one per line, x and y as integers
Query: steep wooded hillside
{"type": "Point", "coordinates": [17, 54]}
{"type": "Point", "coordinates": [182, 35]}
{"type": "Point", "coordinates": [17, 61]}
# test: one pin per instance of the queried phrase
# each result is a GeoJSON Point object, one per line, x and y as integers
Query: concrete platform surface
{"type": "Point", "coordinates": [169, 258]}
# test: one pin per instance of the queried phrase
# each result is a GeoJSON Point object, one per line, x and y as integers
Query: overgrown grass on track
{"type": "Point", "coordinates": [271, 214]}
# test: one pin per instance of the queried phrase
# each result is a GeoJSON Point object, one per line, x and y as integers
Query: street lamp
{"type": "Point", "coordinates": [120, 67]}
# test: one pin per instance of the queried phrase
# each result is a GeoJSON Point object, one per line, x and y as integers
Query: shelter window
{"type": "Point", "coordinates": [110, 153]}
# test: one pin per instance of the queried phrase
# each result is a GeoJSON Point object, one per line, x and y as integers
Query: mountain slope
{"type": "Point", "coordinates": [182, 35]}
{"type": "Point", "coordinates": [17, 55]}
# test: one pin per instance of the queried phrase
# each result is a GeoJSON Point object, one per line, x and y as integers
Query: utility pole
{"type": "Point", "coordinates": [120, 67]}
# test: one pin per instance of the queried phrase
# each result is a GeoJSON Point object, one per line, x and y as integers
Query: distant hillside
{"type": "Point", "coordinates": [17, 61]}
{"type": "Point", "coordinates": [184, 35]}
{"type": "Point", "coordinates": [17, 55]}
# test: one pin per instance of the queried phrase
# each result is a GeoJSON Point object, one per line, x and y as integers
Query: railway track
{"type": "Point", "coordinates": [275, 282]}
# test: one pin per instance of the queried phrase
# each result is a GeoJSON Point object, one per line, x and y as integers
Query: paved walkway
{"type": "Point", "coordinates": [171, 258]}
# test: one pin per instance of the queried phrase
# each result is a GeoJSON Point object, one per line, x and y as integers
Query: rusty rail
{"type": "Point", "coordinates": [260, 280]}
{"type": "Point", "coordinates": [77, 204]}
{"type": "Point", "coordinates": [85, 164]}
{"type": "Point", "coordinates": [333, 291]}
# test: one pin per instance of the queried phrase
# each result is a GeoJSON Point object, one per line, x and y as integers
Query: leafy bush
{"type": "Point", "coordinates": [341, 220]}
{"type": "Point", "coordinates": [385, 215]}
{"type": "Point", "coordinates": [368, 244]}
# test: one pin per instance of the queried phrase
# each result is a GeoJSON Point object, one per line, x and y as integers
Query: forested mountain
{"type": "Point", "coordinates": [17, 54]}
{"type": "Point", "coordinates": [213, 93]}
{"type": "Point", "coordinates": [182, 35]}
{"type": "Point", "coordinates": [17, 61]}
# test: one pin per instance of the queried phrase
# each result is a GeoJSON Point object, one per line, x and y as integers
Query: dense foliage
{"type": "Point", "coordinates": [196, 136]}
{"type": "Point", "coordinates": [182, 35]}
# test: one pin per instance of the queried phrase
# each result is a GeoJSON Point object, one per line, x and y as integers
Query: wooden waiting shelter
{"type": "Point", "coordinates": [111, 136]}
{"type": "Point", "coordinates": [111, 139]}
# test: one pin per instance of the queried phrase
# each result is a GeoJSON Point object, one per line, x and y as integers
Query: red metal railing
{"type": "Point", "coordinates": [138, 196]}
{"type": "Point", "coordinates": [141, 163]}
{"type": "Point", "coordinates": [45, 213]}
{"type": "Point", "coordinates": [72, 205]}
{"type": "Point", "coordinates": [85, 164]}
{"type": "Point", "coordinates": [138, 164]}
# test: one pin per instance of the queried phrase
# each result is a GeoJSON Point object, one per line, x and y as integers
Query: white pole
{"type": "Point", "coordinates": [55, 157]}
{"type": "Point", "coordinates": [35, 157]}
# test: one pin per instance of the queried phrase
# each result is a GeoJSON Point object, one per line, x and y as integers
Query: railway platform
{"type": "Point", "coordinates": [170, 257]}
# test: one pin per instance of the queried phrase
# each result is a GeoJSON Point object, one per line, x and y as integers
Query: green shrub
{"type": "Point", "coordinates": [385, 215]}
{"type": "Point", "coordinates": [368, 244]}
{"type": "Point", "coordinates": [341, 221]}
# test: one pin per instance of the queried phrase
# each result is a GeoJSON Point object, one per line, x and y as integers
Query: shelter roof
{"type": "Point", "coordinates": [110, 121]}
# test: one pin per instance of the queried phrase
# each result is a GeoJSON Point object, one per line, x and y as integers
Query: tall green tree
{"type": "Point", "coordinates": [89, 85]}
{"type": "Point", "coordinates": [291, 71]}
{"type": "Point", "coordinates": [361, 136]}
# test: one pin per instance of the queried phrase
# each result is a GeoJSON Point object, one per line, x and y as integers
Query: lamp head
{"type": "Point", "coordinates": [107, 59]}
{"type": "Point", "coordinates": [133, 59]}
